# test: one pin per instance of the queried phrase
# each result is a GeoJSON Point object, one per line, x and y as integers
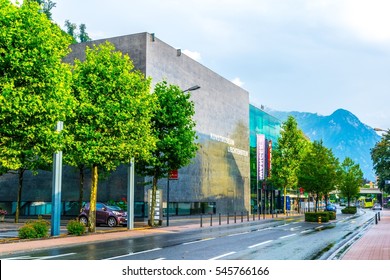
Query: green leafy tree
{"type": "Point", "coordinates": [351, 179]}
{"type": "Point", "coordinates": [113, 115]}
{"type": "Point", "coordinates": [34, 89]}
{"type": "Point", "coordinates": [78, 36]}
{"type": "Point", "coordinates": [287, 156]}
{"type": "Point", "coordinates": [45, 6]}
{"type": "Point", "coordinates": [71, 30]}
{"type": "Point", "coordinates": [173, 128]}
{"type": "Point", "coordinates": [318, 171]}
{"type": "Point", "coordinates": [83, 35]}
{"type": "Point", "coordinates": [380, 155]}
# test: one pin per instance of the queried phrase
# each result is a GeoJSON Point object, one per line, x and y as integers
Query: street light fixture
{"type": "Point", "coordinates": [192, 88]}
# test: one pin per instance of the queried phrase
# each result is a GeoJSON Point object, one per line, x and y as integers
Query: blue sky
{"type": "Point", "coordinates": [291, 55]}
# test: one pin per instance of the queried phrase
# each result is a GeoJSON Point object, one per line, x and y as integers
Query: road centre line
{"type": "Point", "coordinates": [286, 236]}
{"type": "Point", "coordinates": [221, 256]}
{"type": "Point", "coordinates": [259, 244]}
{"type": "Point", "coordinates": [197, 241]}
{"type": "Point", "coordinates": [132, 254]}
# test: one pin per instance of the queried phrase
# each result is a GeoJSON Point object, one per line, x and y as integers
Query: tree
{"type": "Point", "coordinates": [81, 36]}
{"type": "Point", "coordinates": [173, 128]}
{"type": "Point", "coordinates": [318, 171]}
{"type": "Point", "coordinates": [71, 30]}
{"type": "Point", "coordinates": [45, 7]}
{"type": "Point", "coordinates": [351, 179]}
{"type": "Point", "coordinates": [380, 155]}
{"type": "Point", "coordinates": [34, 89]}
{"type": "Point", "coordinates": [287, 156]}
{"type": "Point", "coordinates": [112, 120]}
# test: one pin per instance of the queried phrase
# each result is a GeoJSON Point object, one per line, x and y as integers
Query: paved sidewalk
{"type": "Point", "coordinates": [375, 243]}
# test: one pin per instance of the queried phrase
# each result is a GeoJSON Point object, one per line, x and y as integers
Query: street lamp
{"type": "Point", "coordinates": [192, 88]}
{"type": "Point", "coordinates": [169, 177]}
{"type": "Point", "coordinates": [380, 129]}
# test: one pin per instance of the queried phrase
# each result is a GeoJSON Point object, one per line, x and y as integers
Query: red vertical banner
{"type": "Point", "coordinates": [269, 157]}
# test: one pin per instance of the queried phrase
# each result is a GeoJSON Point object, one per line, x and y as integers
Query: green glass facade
{"type": "Point", "coordinates": [260, 122]}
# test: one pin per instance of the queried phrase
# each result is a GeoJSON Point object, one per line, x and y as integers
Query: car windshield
{"type": "Point", "coordinates": [113, 207]}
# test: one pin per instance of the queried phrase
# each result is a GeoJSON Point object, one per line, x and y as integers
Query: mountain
{"type": "Point", "coordinates": [342, 131]}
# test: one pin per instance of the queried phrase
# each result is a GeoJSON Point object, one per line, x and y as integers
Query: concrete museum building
{"type": "Point", "coordinates": [217, 180]}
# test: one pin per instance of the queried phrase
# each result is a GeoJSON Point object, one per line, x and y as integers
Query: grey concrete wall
{"type": "Point", "coordinates": [219, 173]}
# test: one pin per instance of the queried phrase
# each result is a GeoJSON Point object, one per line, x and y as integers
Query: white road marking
{"type": "Point", "coordinates": [197, 241]}
{"type": "Point", "coordinates": [259, 244]}
{"type": "Point", "coordinates": [221, 256]}
{"type": "Point", "coordinates": [241, 233]}
{"type": "Point", "coordinates": [306, 231]}
{"type": "Point", "coordinates": [286, 236]}
{"type": "Point", "coordinates": [133, 254]}
{"type": "Point", "coordinates": [56, 256]}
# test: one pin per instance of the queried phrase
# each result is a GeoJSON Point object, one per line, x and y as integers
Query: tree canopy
{"type": "Point", "coordinates": [351, 179]}
{"type": "Point", "coordinates": [34, 88]}
{"type": "Point", "coordinates": [318, 170]}
{"type": "Point", "coordinates": [112, 120]}
{"type": "Point", "coordinates": [380, 155]}
{"type": "Point", "coordinates": [173, 127]}
{"type": "Point", "coordinates": [287, 156]}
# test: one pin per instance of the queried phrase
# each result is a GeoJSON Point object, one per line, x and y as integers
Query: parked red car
{"type": "Point", "coordinates": [110, 215]}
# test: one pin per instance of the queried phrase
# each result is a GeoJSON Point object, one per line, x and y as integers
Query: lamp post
{"type": "Point", "coordinates": [170, 177]}
{"type": "Point", "coordinates": [56, 188]}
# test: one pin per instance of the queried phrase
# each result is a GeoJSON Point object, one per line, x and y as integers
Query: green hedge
{"type": "Point", "coordinates": [349, 210]}
{"type": "Point", "coordinates": [315, 217]}
{"type": "Point", "coordinates": [331, 214]}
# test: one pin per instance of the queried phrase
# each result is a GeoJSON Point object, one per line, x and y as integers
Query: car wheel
{"type": "Point", "coordinates": [111, 222]}
{"type": "Point", "coordinates": [83, 220]}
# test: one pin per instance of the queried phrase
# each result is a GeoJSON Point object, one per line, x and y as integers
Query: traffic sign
{"type": "Point", "coordinates": [174, 174]}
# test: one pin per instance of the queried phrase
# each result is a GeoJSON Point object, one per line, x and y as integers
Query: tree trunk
{"type": "Point", "coordinates": [19, 199]}
{"type": "Point", "coordinates": [92, 201]}
{"type": "Point", "coordinates": [153, 206]}
{"type": "Point", "coordinates": [81, 193]}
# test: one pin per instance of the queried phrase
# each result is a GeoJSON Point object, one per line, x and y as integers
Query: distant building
{"type": "Point", "coordinates": [264, 134]}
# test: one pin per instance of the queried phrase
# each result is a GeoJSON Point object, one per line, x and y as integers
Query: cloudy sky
{"type": "Point", "coordinates": [291, 55]}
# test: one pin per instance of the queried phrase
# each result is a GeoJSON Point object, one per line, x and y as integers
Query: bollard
{"type": "Point", "coordinates": [219, 218]}
{"type": "Point", "coordinates": [235, 217]}
{"type": "Point", "coordinates": [211, 220]}
{"type": "Point", "coordinates": [376, 218]}
{"type": "Point", "coordinates": [319, 219]}
{"type": "Point", "coordinates": [379, 216]}
{"type": "Point", "coordinates": [201, 220]}
{"type": "Point", "coordinates": [247, 216]}
{"type": "Point", "coordinates": [227, 218]}
{"type": "Point", "coordinates": [242, 217]}
{"type": "Point", "coordinates": [253, 214]}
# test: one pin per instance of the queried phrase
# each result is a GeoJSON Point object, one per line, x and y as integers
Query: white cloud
{"type": "Point", "coordinates": [237, 81]}
{"type": "Point", "coordinates": [194, 55]}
